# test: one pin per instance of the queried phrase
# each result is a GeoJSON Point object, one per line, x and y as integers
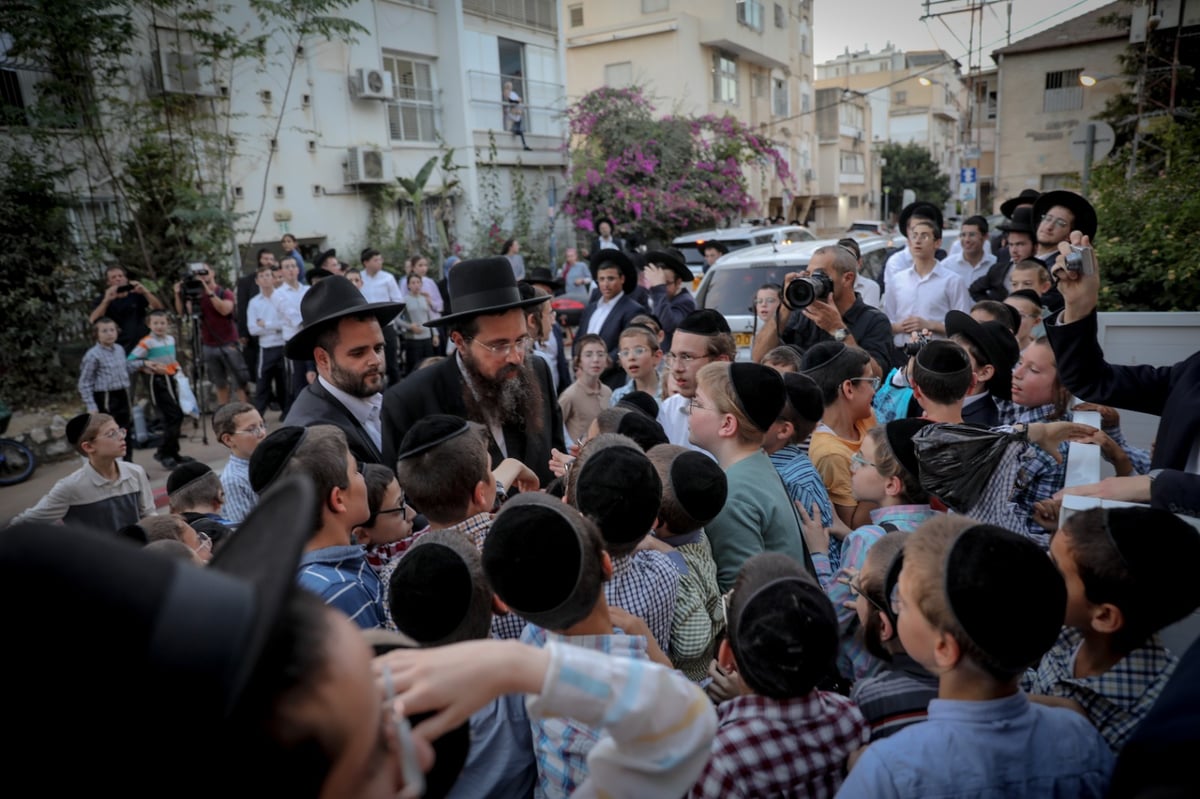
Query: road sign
{"type": "Point", "coordinates": [966, 175]}
{"type": "Point", "coordinates": [1102, 144]}
{"type": "Point", "coordinates": [966, 191]}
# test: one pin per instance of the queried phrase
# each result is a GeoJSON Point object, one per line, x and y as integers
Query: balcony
{"type": "Point", "coordinates": [539, 14]}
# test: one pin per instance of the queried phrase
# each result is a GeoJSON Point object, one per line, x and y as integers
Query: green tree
{"type": "Point", "coordinates": [909, 166]}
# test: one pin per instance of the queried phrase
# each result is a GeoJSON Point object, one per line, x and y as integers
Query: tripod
{"type": "Point", "coordinates": [198, 374]}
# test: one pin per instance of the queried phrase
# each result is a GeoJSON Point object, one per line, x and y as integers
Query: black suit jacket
{"type": "Point", "coordinates": [618, 319]}
{"type": "Point", "coordinates": [982, 413]}
{"type": "Point", "coordinates": [561, 364]}
{"type": "Point", "coordinates": [315, 405]}
{"type": "Point", "coordinates": [1171, 392]}
{"type": "Point", "coordinates": [439, 389]}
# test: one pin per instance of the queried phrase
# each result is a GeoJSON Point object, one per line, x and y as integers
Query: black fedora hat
{"type": "Point", "coordinates": [1026, 197]}
{"type": "Point", "coordinates": [612, 226]}
{"type": "Point", "coordinates": [1084, 213]}
{"type": "Point", "coordinates": [997, 343]}
{"type": "Point", "coordinates": [541, 276]}
{"type": "Point", "coordinates": [330, 300]}
{"type": "Point", "coordinates": [671, 259]}
{"type": "Point", "coordinates": [317, 274]}
{"type": "Point", "coordinates": [1021, 222]}
{"type": "Point", "coordinates": [622, 261]}
{"type": "Point", "coordinates": [922, 209]}
{"type": "Point", "coordinates": [482, 286]}
{"type": "Point", "coordinates": [319, 261]}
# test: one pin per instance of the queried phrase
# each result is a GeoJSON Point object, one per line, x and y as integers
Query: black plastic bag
{"type": "Point", "coordinates": [957, 461]}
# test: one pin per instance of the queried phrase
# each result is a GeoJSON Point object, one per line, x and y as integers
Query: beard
{"type": "Point", "coordinates": [363, 385]}
{"type": "Point", "coordinates": [511, 398]}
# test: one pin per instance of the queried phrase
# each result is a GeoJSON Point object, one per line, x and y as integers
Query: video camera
{"type": "Point", "coordinates": [911, 348]}
{"type": "Point", "coordinates": [193, 287]}
{"type": "Point", "coordinates": [804, 291]}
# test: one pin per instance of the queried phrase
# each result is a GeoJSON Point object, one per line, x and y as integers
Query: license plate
{"type": "Point", "coordinates": [741, 339]}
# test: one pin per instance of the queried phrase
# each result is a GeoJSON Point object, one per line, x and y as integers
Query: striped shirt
{"type": "Point", "coordinates": [342, 578]}
{"type": "Point", "coordinates": [103, 369]}
{"type": "Point", "coordinates": [895, 697]}
{"type": "Point", "coordinates": [86, 498]}
{"type": "Point", "coordinates": [240, 498]}
{"type": "Point", "coordinates": [805, 486]}
{"type": "Point", "coordinates": [159, 350]}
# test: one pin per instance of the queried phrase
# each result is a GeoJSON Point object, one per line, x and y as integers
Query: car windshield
{"type": "Point", "coordinates": [692, 253]}
{"type": "Point", "coordinates": [731, 291]}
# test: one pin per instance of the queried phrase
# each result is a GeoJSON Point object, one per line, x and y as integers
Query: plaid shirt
{"type": "Point", "coordinates": [698, 612]}
{"type": "Point", "coordinates": [805, 486]}
{"type": "Point", "coordinates": [560, 744]}
{"type": "Point", "coordinates": [790, 747]}
{"type": "Point", "coordinates": [103, 369]}
{"type": "Point", "coordinates": [1116, 700]}
{"type": "Point", "coordinates": [240, 498]}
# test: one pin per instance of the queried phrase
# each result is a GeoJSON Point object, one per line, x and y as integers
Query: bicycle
{"type": "Point", "coordinates": [16, 460]}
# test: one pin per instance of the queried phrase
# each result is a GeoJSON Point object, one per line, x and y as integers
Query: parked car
{"type": "Point", "coordinates": [863, 228]}
{"type": "Point", "coordinates": [691, 245]}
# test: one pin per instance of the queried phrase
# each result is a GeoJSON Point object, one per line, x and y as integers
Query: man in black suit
{"type": "Point", "coordinates": [612, 306]}
{"type": "Point", "coordinates": [491, 378]}
{"type": "Point", "coordinates": [343, 334]}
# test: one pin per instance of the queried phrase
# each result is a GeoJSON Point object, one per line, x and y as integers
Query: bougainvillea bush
{"type": "Point", "coordinates": [660, 176]}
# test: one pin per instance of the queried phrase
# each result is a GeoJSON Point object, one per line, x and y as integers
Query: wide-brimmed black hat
{"type": "Point", "coordinates": [612, 226]}
{"type": "Point", "coordinates": [623, 262]}
{"type": "Point", "coordinates": [330, 300]}
{"type": "Point", "coordinates": [1021, 222]}
{"type": "Point", "coordinates": [482, 286]}
{"type": "Point", "coordinates": [922, 209]}
{"type": "Point", "coordinates": [671, 259]}
{"type": "Point", "coordinates": [541, 276]}
{"type": "Point", "coordinates": [997, 343]}
{"type": "Point", "coordinates": [1026, 197]}
{"type": "Point", "coordinates": [319, 261]}
{"type": "Point", "coordinates": [1084, 213]}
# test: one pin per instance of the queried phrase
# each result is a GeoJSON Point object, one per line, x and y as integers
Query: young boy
{"type": "Point", "coordinates": [174, 527]}
{"type": "Point", "coordinates": [333, 566]}
{"type": "Point", "coordinates": [105, 493]}
{"type": "Point", "coordinates": [583, 400]}
{"type": "Point", "coordinates": [194, 492]}
{"type": "Point", "coordinates": [640, 358]}
{"type": "Point", "coordinates": [992, 348]}
{"type": "Point", "coordinates": [155, 356]}
{"type": "Point", "coordinates": [784, 358]}
{"type": "Point", "coordinates": [941, 377]}
{"type": "Point", "coordinates": [546, 562]}
{"type": "Point", "coordinates": [1029, 305]}
{"type": "Point", "coordinates": [1032, 275]}
{"type": "Point", "coordinates": [240, 428]}
{"type": "Point", "coordinates": [1108, 661]}
{"type": "Point", "coordinates": [782, 736]}
{"type": "Point", "coordinates": [694, 491]}
{"type": "Point", "coordinates": [918, 297]}
{"type": "Point", "coordinates": [386, 533]}
{"type": "Point", "coordinates": [104, 377]}
{"type": "Point", "coordinates": [977, 605]}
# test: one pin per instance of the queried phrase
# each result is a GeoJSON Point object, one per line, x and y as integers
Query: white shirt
{"type": "Point", "coordinates": [366, 411]}
{"type": "Point", "coordinates": [270, 332]}
{"type": "Point", "coordinates": [868, 289]}
{"type": "Point", "coordinates": [603, 309]}
{"type": "Point", "coordinates": [673, 416]}
{"type": "Point", "coordinates": [929, 297]}
{"type": "Point", "coordinates": [428, 287]}
{"type": "Point", "coordinates": [380, 287]}
{"type": "Point", "coordinates": [968, 274]}
{"type": "Point", "coordinates": [286, 302]}
{"type": "Point", "coordinates": [897, 262]}
{"type": "Point", "coordinates": [607, 244]}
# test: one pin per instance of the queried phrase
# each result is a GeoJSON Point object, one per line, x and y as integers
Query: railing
{"type": "Point", "coordinates": [543, 103]}
{"type": "Point", "coordinates": [540, 14]}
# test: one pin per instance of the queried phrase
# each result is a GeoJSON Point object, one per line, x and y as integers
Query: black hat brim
{"type": "Point", "coordinates": [301, 345]}
{"type": "Point", "coordinates": [623, 262]}
{"type": "Point", "coordinates": [1080, 208]}
{"type": "Point", "coordinates": [670, 260]}
{"type": "Point", "coordinates": [967, 326]}
{"type": "Point", "coordinates": [450, 319]}
{"type": "Point", "coordinates": [1027, 197]}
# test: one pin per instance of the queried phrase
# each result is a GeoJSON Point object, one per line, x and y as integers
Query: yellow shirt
{"type": "Point", "coordinates": [831, 455]}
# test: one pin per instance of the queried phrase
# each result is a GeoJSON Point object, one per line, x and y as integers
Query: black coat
{"type": "Point", "coordinates": [315, 405]}
{"type": "Point", "coordinates": [439, 389]}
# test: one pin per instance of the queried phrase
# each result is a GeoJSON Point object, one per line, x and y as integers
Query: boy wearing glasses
{"type": "Point", "coordinates": [640, 357]}
{"type": "Point", "coordinates": [919, 297]}
{"type": "Point", "coordinates": [239, 427]}
{"type": "Point", "coordinates": [104, 494]}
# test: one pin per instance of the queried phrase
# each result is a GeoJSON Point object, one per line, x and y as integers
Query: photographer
{"type": "Point", "coordinates": [125, 302]}
{"type": "Point", "coordinates": [839, 315]}
{"type": "Point", "coordinates": [198, 295]}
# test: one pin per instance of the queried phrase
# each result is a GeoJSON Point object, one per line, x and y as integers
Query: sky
{"type": "Point", "coordinates": [856, 24]}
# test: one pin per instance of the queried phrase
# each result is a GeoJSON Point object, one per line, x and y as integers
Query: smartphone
{"type": "Point", "coordinates": [124, 289]}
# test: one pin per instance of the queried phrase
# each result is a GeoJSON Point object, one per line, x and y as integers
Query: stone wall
{"type": "Point", "coordinates": [48, 442]}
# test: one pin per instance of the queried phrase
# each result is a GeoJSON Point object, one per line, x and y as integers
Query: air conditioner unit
{"type": "Point", "coordinates": [372, 84]}
{"type": "Point", "coordinates": [178, 72]}
{"type": "Point", "coordinates": [367, 165]}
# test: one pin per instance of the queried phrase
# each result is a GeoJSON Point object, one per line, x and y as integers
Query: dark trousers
{"type": "Point", "coordinates": [298, 380]}
{"type": "Point", "coordinates": [116, 404]}
{"type": "Point", "coordinates": [391, 350]}
{"type": "Point", "coordinates": [165, 393]}
{"type": "Point", "coordinates": [415, 351]}
{"type": "Point", "coordinates": [272, 378]}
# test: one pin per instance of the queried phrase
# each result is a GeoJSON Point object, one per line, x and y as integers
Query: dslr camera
{"type": "Point", "coordinates": [1081, 260]}
{"type": "Point", "coordinates": [193, 287]}
{"type": "Point", "coordinates": [804, 291]}
{"type": "Point", "coordinates": [911, 348]}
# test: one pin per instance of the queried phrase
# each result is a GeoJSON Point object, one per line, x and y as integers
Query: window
{"type": "Point", "coordinates": [804, 46]}
{"type": "Point", "coordinates": [1063, 91]}
{"type": "Point", "coordinates": [900, 98]}
{"type": "Point", "coordinates": [759, 81]}
{"type": "Point", "coordinates": [851, 163]}
{"type": "Point", "coordinates": [618, 75]}
{"type": "Point", "coordinates": [654, 6]}
{"type": "Point", "coordinates": [725, 79]}
{"type": "Point", "coordinates": [853, 201]}
{"type": "Point", "coordinates": [750, 14]}
{"type": "Point", "coordinates": [780, 104]}
{"type": "Point", "coordinates": [781, 17]}
{"type": "Point", "coordinates": [575, 13]}
{"type": "Point", "coordinates": [851, 115]}
{"type": "Point", "coordinates": [805, 102]}
{"type": "Point", "coordinates": [411, 116]}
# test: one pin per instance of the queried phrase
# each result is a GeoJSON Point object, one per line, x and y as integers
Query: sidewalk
{"type": "Point", "coordinates": [14, 499]}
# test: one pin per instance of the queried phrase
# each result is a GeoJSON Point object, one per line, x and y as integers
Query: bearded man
{"type": "Point", "coordinates": [343, 334]}
{"type": "Point", "coordinates": [490, 379]}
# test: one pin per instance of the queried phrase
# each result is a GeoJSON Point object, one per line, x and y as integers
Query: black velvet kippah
{"type": "Point", "coordinates": [429, 432]}
{"type": "Point", "coordinates": [620, 490]}
{"type": "Point", "coordinates": [821, 354]}
{"type": "Point", "coordinates": [76, 426]}
{"type": "Point", "coordinates": [272, 455]}
{"type": "Point", "coordinates": [1167, 584]}
{"type": "Point", "coordinates": [899, 437]}
{"type": "Point", "coordinates": [1030, 295]}
{"type": "Point", "coordinates": [704, 322]}
{"type": "Point", "coordinates": [1006, 595]}
{"type": "Point", "coordinates": [804, 395]}
{"type": "Point", "coordinates": [699, 485]}
{"type": "Point", "coordinates": [640, 401]}
{"type": "Point", "coordinates": [944, 357]}
{"type": "Point", "coordinates": [759, 391]}
{"type": "Point", "coordinates": [645, 431]}
{"type": "Point", "coordinates": [186, 474]}
{"type": "Point", "coordinates": [430, 592]}
{"type": "Point", "coordinates": [533, 556]}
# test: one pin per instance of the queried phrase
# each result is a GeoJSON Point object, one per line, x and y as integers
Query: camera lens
{"type": "Point", "coordinates": [800, 293]}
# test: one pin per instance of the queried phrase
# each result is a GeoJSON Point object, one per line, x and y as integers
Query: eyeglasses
{"type": "Point", "coordinates": [685, 359]}
{"type": "Point", "coordinates": [203, 543]}
{"type": "Point", "coordinates": [402, 508]}
{"type": "Point", "coordinates": [114, 435]}
{"type": "Point", "coordinates": [858, 460]}
{"type": "Point", "coordinates": [504, 350]}
{"type": "Point", "coordinates": [258, 430]}
{"type": "Point", "coordinates": [857, 587]}
{"type": "Point", "coordinates": [921, 238]}
{"type": "Point", "coordinates": [694, 405]}
{"type": "Point", "coordinates": [636, 352]}
{"type": "Point", "coordinates": [874, 381]}
{"type": "Point", "coordinates": [766, 301]}
{"type": "Point", "coordinates": [1056, 221]}
{"type": "Point", "coordinates": [399, 736]}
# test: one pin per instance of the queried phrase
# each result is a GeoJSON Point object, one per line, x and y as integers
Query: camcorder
{"type": "Point", "coordinates": [1081, 260]}
{"type": "Point", "coordinates": [804, 291]}
{"type": "Point", "coordinates": [911, 348]}
{"type": "Point", "coordinates": [192, 285]}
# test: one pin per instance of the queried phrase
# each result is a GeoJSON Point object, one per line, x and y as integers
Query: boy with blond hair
{"type": "Point", "coordinates": [640, 356]}
{"type": "Point", "coordinates": [239, 427]}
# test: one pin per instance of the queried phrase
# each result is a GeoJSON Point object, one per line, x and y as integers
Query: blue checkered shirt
{"type": "Point", "coordinates": [103, 369]}
{"type": "Point", "coordinates": [1116, 700]}
{"type": "Point", "coordinates": [560, 744]}
{"type": "Point", "coordinates": [805, 486]}
{"type": "Point", "coordinates": [342, 578]}
{"type": "Point", "coordinates": [240, 498]}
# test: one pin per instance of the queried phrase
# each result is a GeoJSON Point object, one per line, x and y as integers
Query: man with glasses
{"type": "Point", "coordinates": [1056, 214]}
{"type": "Point", "coordinates": [919, 297]}
{"type": "Point", "coordinates": [490, 379]}
{"type": "Point", "coordinates": [703, 337]}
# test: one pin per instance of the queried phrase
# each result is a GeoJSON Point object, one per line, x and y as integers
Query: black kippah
{"type": "Point", "coordinates": [944, 357]}
{"type": "Point", "coordinates": [186, 474]}
{"type": "Point", "coordinates": [759, 391]}
{"type": "Point", "coordinates": [645, 431]}
{"type": "Point", "coordinates": [820, 355]}
{"type": "Point", "coordinates": [804, 395]}
{"type": "Point", "coordinates": [900, 434]}
{"type": "Point", "coordinates": [76, 426]}
{"type": "Point", "coordinates": [640, 401]}
{"type": "Point", "coordinates": [272, 454]}
{"type": "Point", "coordinates": [430, 592]}
{"type": "Point", "coordinates": [620, 490]}
{"type": "Point", "coordinates": [1005, 594]}
{"type": "Point", "coordinates": [704, 322]}
{"type": "Point", "coordinates": [699, 485]}
{"type": "Point", "coordinates": [1166, 584]}
{"type": "Point", "coordinates": [1028, 294]}
{"type": "Point", "coordinates": [429, 432]}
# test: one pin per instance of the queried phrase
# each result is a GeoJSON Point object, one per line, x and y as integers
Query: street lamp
{"type": "Point", "coordinates": [1091, 80]}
